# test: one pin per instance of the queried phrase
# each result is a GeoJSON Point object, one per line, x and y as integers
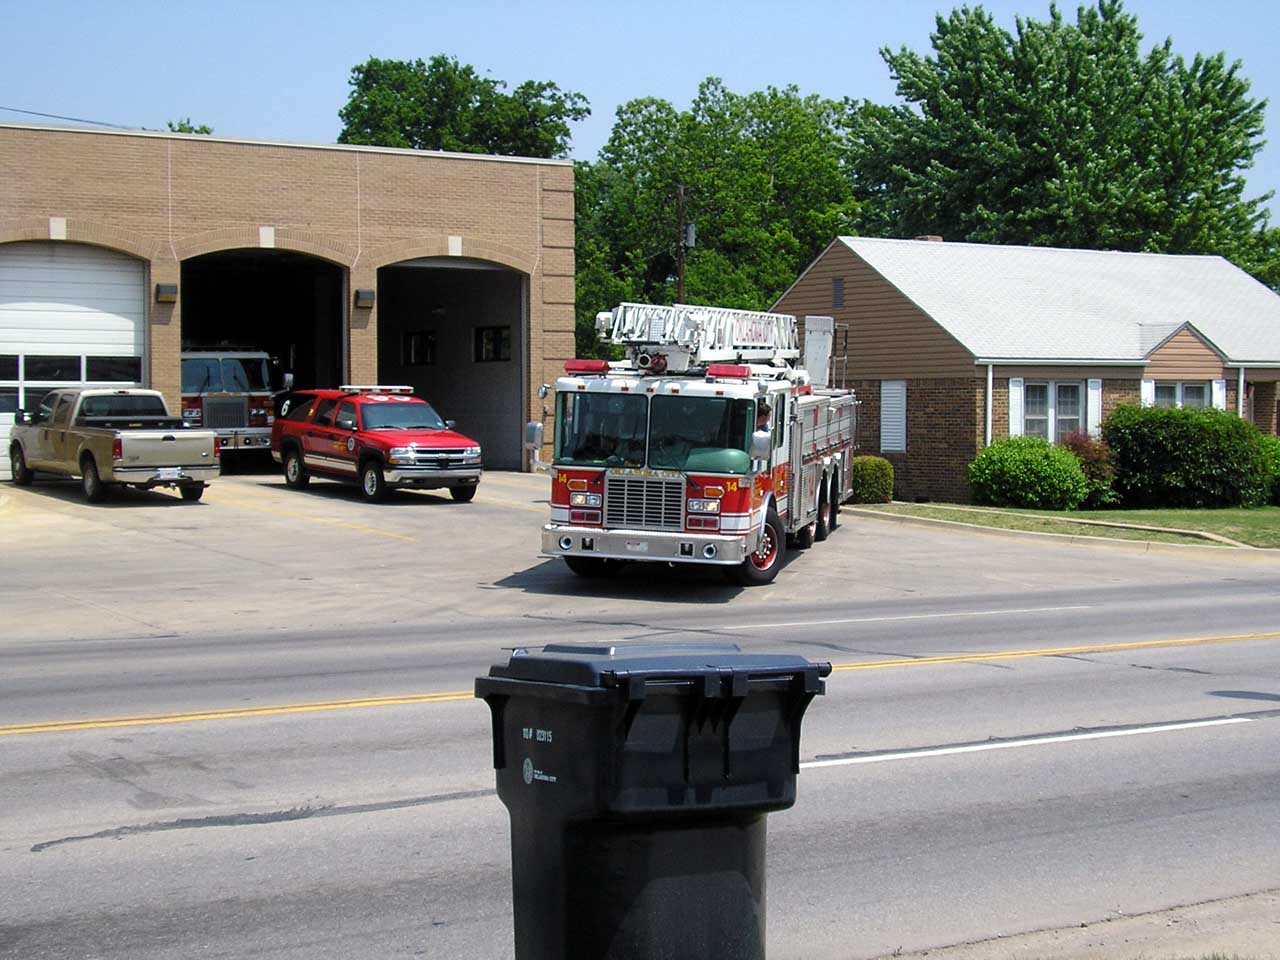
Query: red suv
{"type": "Point", "coordinates": [379, 437]}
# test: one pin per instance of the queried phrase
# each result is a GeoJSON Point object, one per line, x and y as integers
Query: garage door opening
{"type": "Point", "coordinates": [454, 330]}
{"type": "Point", "coordinates": [285, 304]}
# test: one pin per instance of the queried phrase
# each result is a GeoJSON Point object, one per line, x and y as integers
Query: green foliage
{"type": "Point", "coordinates": [1065, 134]}
{"type": "Point", "coordinates": [185, 125]}
{"type": "Point", "coordinates": [1186, 458]}
{"type": "Point", "coordinates": [446, 105]}
{"type": "Point", "coordinates": [1271, 456]}
{"type": "Point", "coordinates": [871, 479]}
{"type": "Point", "coordinates": [1028, 472]}
{"type": "Point", "coordinates": [1095, 461]}
{"type": "Point", "coordinates": [764, 185]}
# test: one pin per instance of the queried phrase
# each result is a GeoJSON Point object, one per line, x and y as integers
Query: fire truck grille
{"type": "Point", "coordinates": [225, 412]}
{"type": "Point", "coordinates": [639, 503]}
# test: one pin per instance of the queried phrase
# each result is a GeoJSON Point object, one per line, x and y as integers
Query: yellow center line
{"type": "Point", "coordinates": [453, 696]}
{"type": "Point", "coordinates": [276, 511]}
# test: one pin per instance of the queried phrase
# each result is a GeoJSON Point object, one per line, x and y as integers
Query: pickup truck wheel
{"type": "Point", "coordinates": [295, 471]}
{"type": "Point", "coordinates": [762, 566]}
{"type": "Point", "coordinates": [593, 568]}
{"type": "Point", "coordinates": [95, 491]}
{"type": "Point", "coordinates": [18, 469]}
{"type": "Point", "coordinates": [464, 494]}
{"type": "Point", "coordinates": [372, 484]}
{"type": "Point", "coordinates": [191, 492]}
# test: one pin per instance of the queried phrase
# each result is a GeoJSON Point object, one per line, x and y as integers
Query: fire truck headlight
{"type": "Point", "coordinates": [585, 500]}
{"type": "Point", "coordinates": [401, 456]}
{"type": "Point", "coordinates": [704, 506]}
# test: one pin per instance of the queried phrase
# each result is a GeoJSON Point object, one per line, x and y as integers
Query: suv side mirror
{"type": "Point", "coordinates": [287, 381]}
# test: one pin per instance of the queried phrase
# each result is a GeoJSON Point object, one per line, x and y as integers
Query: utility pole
{"type": "Point", "coordinates": [680, 244]}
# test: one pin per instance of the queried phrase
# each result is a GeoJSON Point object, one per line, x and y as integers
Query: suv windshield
{"type": "Point", "coordinates": [711, 434]}
{"type": "Point", "coordinates": [413, 415]}
{"type": "Point", "coordinates": [601, 429]}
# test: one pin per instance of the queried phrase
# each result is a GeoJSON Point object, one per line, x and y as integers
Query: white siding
{"type": "Point", "coordinates": [893, 415]}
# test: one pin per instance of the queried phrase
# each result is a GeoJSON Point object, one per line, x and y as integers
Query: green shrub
{"type": "Point", "coordinates": [1271, 454]}
{"type": "Point", "coordinates": [1186, 458]}
{"type": "Point", "coordinates": [1095, 461]}
{"type": "Point", "coordinates": [1028, 472]}
{"type": "Point", "coordinates": [871, 479]}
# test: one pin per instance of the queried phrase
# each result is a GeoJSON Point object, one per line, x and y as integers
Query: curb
{"type": "Point", "coordinates": [1146, 545]}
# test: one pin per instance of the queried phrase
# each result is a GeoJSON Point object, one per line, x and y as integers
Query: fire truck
{"type": "Point", "coordinates": [229, 391]}
{"type": "Point", "coordinates": [707, 444]}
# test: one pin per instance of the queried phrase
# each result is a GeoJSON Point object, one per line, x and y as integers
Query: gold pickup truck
{"type": "Point", "coordinates": [108, 437]}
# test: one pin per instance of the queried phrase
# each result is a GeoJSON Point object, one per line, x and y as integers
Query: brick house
{"type": "Point", "coordinates": [953, 345]}
{"type": "Point", "coordinates": [450, 272]}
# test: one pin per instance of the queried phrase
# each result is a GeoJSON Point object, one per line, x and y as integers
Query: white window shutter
{"type": "Point", "coordinates": [1094, 408]}
{"type": "Point", "coordinates": [1015, 406]}
{"type": "Point", "coordinates": [893, 415]}
{"type": "Point", "coordinates": [1148, 393]}
{"type": "Point", "coordinates": [1220, 394]}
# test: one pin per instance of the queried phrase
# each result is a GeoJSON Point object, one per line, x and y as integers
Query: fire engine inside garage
{"type": "Point", "coordinates": [210, 268]}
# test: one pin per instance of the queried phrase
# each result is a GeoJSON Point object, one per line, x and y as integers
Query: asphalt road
{"type": "Point", "coordinates": [1020, 733]}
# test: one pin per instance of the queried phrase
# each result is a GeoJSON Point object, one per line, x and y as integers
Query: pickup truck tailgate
{"type": "Point", "coordinates": [166, 448]}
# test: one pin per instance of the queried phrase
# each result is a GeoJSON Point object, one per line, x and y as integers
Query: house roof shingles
{"type": "Point", "coordinates": [1043, 303]}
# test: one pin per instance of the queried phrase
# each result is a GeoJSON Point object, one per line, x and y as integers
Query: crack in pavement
{"type": "Point", "coordinates": [257, 819]}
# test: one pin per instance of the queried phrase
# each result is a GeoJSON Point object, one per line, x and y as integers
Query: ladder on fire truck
{"type": "Point", "coordinates": [681, 336]}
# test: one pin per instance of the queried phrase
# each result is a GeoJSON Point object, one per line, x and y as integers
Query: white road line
{"type": "Point", "coordinates": [1012, 744]}
{"type": "Point", "coordinates": [913, 616]}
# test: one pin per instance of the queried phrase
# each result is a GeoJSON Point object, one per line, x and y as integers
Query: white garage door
{"type": "Point", "coordinates": [70, 314]}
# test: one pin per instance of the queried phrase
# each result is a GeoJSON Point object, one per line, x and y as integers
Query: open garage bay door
{"type": "Point", "coordinates": [454, 330]}
{"type": "Point", "coordinates": [70, 314]}
{"type": "Point", "coordinates": [285, 304]}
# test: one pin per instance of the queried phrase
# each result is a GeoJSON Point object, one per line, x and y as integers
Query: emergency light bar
{"type": "Point", "coordinates": [586, 366]}
{"type": "Point", "coordinates": [735, 371]}
{"type": "Point", "coordinates": [373, 388]}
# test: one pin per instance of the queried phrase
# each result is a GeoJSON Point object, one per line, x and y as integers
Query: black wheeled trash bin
{"type": "Point", "coordinates": [638, 778]}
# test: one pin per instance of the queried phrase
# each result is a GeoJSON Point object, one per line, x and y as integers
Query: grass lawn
{"type": "Point", "coordinates": [1258, 526]}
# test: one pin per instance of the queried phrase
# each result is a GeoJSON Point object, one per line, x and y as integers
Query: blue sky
{"type": "Point", "coordinates": [279, 70]}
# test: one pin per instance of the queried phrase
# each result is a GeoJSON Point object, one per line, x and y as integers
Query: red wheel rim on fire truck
{"type": "Point", "coordinates": [767, 552]}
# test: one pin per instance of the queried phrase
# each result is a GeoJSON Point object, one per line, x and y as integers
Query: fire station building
{"type": "Point", "coordinates": [449, 272]}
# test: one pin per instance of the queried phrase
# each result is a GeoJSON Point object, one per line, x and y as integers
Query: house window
{"type": "Point", "coordinates": [893, 415]}
{"type": "Point", "coordinates": [1053, 410]}
{"type": "Point", "coordinates": [837, 292]}
{"type": "Point", "coordinates": [1192, 395]}
{"type": "Point", "coordinates": [493, 344]}
{"type": "Point", "coordinates": [418, 348]}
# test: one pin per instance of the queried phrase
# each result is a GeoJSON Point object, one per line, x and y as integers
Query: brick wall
{"type": "Point", "coordinates": [1266, 412]}
{"type": "Point", "coordinates": [165, 198]}
{"type": "Point", "coordinates": [944, 433]}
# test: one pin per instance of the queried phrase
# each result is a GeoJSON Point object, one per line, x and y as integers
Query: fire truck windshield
{"type": "Point", "coordinates": [242, 374]}
{"type": "Point", "coordinates": [415, 415]}
{"type": "Point", "coordinates": [225, 375]}
{"type": "Point", "coordinates": [710, 434]}
{"type": "Point", "coordinates": [601, 429]}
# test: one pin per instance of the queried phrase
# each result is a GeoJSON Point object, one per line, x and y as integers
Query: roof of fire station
{"type": "Point", "coordinates": [1042, 304]}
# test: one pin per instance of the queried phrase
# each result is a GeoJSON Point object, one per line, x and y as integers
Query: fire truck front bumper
{"type": "Point", "coordinates": [247, 438]}
{"type": "Point", "coordinates": [560, 540]}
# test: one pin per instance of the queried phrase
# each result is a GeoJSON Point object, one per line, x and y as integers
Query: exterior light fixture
{"type": "Point", "coordinates": [365, 298]}
{"type": "Point", "coordinates": [166, 293]}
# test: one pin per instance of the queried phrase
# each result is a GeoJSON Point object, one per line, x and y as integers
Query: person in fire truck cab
{"type": "Point", "coordinates": [763, 413]}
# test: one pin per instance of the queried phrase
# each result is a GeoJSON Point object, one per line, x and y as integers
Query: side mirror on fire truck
{"type": "Point", "coordinates": [543, 391]}
{"type": "Point", "coordinates": [761, 445]}
{"type": "Point", "coordinates": [533, 433]}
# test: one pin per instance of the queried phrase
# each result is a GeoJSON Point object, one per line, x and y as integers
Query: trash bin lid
{"type": "Point", "coordinates": [608, 665]}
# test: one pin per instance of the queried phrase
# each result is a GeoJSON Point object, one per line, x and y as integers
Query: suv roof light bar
{"type": "Point", "coordinates": [374, 388]}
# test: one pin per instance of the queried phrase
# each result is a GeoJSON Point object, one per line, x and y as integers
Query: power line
{"type": "Point", "coordinates": [55, 116]}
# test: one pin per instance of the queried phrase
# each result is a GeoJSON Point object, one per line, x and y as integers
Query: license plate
{"type": "Point", "coordinates": [169, 473]}
{"type": "Point", "coordinates": [637, 546]}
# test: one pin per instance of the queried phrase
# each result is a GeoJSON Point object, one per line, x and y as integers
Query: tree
{"type": "Point", "coordinates": [186, 126]}
{"type": "Point", "coordinates": [1064, 134]}
{"type": "Point", "coordinates": [763, 182]}
{"type": "Point", "coordinates": [446, 105]}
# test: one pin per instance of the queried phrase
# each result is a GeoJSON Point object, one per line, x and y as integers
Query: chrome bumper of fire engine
{"type": "Point", "coordinates": [250, 438]}
{"type": "Point", "coordinates": [431, 476]}
{"type": "Point", "coordinates": [163, 476]}
{"type": "Point", "coordinates": [567, 541]}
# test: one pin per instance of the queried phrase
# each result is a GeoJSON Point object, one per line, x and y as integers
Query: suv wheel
{"type": "Point", "coordinates": [372, 484]}
{"type": "Point", "coordinates": [295, 471]}
{"type": "Point", "coordinates": [463, 494]}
